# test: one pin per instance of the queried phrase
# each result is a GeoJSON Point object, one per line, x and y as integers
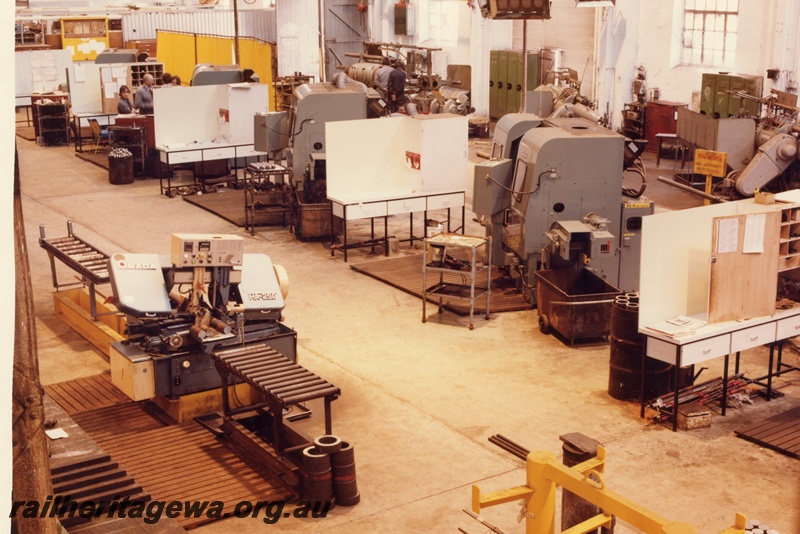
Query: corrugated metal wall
{"type": "Point", "coordinates": [252, 23]}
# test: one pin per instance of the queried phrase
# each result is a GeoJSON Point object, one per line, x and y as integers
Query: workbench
{"type": "Point", "coordinates": [717, 340]}
{"type": "Point", "coordinates": [104, 119]}
{"type": "Point", "coordinates": [201, 152]}
{"type": "Point", "coordinates": [372, 205]}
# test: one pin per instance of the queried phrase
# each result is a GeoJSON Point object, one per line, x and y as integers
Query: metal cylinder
{"type": "Point", "coordinates": [328, 444]}
{"type": "Point", "coordinates": [317, 477]}
{"type": "Point", "coordinates": [345, 487]}
{"type": "Point", "coordinates": [578, 448]}
{"type": "Point", "coordinates": [363, 72]}
{"type": "Point", "coordinates": [627, 351]}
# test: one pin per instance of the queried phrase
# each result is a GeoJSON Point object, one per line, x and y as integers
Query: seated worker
{"type": "Point", "coordinates": [397, 87]}
{"type": "Point", "coordinates": [176, 81]}
{"type": "Point", "coordinates": [166, 79]}
{"type": "Point", "coordinates": [124, 104]}
{"type": "Point", "coordinates": [143, 99]}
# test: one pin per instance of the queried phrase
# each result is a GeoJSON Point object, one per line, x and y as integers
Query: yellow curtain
{"type": "Point", "coordinates": [257, 55]}
{"type": "Point", "coordinates": [215, 50]}
{"type": "Point", "coordinates": [177, 52]}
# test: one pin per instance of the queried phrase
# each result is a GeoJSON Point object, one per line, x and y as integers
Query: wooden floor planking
{"type": "Point", "coordinates": [405, 273]}
{"type": "Point", "coordinates": [780, 433]}
{"type": "Point", "coordinates": [89, 393]}
{"type": "Point", "coordinates": [177, 462]}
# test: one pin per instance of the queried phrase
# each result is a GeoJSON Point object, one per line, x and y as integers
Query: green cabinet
{"type": "Point", "coordinates": [716, 99]}
{"type": "Point", "coordinates": [507, 81]}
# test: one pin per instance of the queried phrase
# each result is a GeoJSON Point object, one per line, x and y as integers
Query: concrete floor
{"type": "Point", "coordinates": [420, 400]}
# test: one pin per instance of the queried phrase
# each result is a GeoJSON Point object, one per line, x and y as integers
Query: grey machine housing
{"type": "Point", "coordinates": [548, 171]}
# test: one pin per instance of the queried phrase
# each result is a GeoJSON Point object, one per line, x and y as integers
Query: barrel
{"type": "Point", "coordinates": [627, 351]}
{"type": "Point", "coordinates": [328, 444]}
{"type": "Point", "coordinates": [120, 169]}
{"type": "Point", "coordinates": [345, 487]}
{"type": "Point", "coordinates": [317, 477]}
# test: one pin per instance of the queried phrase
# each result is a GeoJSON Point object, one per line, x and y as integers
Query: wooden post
{"type": "Point", "coordinates": [31, 468]}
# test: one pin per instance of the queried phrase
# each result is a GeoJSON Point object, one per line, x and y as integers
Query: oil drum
{"type": "Point", "coordinates": [120, 169]}
{"type": "Point", "coordinates": [627, 351]}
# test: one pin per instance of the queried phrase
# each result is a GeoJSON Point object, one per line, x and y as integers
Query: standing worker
{"type": "Point", "coordinates": [397, 87]}
{"type": "Point", "coordinates": [144, 95]}
{"type": "Point", "coordinates": [382, 78]}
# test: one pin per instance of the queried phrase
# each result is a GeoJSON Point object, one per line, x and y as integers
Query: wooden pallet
{"type": "Point", "coordinates": [405, 273]}
{"type": "Point", "coordinates": [780, 433]}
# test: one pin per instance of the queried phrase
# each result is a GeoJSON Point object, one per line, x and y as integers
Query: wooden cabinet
{"type": "Point", "coordinates": [661, 117]}
{"type": "Point", "coordinates": [147, 46]}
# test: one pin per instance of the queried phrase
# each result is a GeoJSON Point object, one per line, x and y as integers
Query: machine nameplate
{"type": "Point", "coordinates": [263, 296]}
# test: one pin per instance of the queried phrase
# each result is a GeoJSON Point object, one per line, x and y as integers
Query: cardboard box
{"type": "Point", "coordinates": [692, 416]}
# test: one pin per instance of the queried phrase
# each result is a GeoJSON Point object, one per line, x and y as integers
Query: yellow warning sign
{"type": "Point", "coordinates": [710, 162]}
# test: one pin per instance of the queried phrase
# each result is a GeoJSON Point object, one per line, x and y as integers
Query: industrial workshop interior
{"type": "Point", "coordinates": [346, 266]}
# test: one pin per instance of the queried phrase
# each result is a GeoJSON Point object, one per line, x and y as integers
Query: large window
{"type": "Point", "coordinates": [709, 32]}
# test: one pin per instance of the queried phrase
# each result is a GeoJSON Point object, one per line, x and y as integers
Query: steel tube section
{"type": "Point", "coordinates": [691, 190]}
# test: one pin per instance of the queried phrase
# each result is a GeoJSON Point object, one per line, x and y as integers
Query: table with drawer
{"type": "Point", "coordinates": [721, 340]}
{"type": "Point", "coordinates": [384, 204]}
{"type": "Point", "coordinates": [200, 153]}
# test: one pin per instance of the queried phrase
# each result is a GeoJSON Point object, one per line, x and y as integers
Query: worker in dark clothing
{"type": "Point", "coordinates": [397, 87]}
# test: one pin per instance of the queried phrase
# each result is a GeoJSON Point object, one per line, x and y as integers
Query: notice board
{"type": "Point", "coordinates": [744, 266]}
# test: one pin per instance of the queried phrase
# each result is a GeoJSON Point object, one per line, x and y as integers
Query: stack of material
{"type": "Point", "coordinates": [703, 393]}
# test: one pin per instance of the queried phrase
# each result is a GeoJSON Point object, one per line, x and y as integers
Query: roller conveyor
{"type": "Point", "coordinates": [282, 381]}
{"type": "Point", "coordinates": [83, 258]}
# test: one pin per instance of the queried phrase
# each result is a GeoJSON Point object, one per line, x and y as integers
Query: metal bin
{"type": "Point", "coordinates": [576, 303]}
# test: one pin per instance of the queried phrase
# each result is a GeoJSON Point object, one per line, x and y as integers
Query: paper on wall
{"type": "Point", "coordinates": [109, 89]}
{"type": "Point", "coordinates": [754, 233]}
{"type": "Point", "coordinates": [119, 72]}
{"type": "Point", "coordinates": [728, 235]}
{"type": "Point", "coordinates": [105, 74]}
{"type": "Point", "coordinates": [80, 73]}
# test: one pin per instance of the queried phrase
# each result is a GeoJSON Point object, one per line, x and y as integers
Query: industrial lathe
{"type": "Point", "coordinates": [551, 193]}
{"type": "Point", "coordinates": [207, 296]}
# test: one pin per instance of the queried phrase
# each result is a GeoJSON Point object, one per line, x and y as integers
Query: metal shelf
{"type": "Point", "coordinates": [442, 263]}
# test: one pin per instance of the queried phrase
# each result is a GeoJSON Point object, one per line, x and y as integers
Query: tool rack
{"type": "Point", "coordinates": [81, 257]}
{"type": "Point", "coordinates": [276, 201]}
{"type": "Point", "coordinates": [464, 290]}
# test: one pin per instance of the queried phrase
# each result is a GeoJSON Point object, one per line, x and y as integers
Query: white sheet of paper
{"type": "Point", "coordinates": [754, 233]}
{"type": "Point", "coordinates": [80, 73]}
{"type": "Point", "coordinates": [56, 433]}
{"type": "Point", "coordinates": [119, 72]}
{"type": "Point", "coordinates": [728, 235]}
{"type": "Point", "coordinates": [109, 89]}
{"type": "Point", "coordinates": [105, 74]}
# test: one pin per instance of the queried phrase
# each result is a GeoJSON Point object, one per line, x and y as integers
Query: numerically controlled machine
{"type": "Point", "coordinates": [551, 195]}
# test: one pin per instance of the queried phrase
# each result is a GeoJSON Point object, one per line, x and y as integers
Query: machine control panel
{"type": "Point", "coordinates": [207, 250]}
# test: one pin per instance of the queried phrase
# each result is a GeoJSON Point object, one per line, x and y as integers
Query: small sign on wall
{"type": "Point", "coordinates": [412, 160]}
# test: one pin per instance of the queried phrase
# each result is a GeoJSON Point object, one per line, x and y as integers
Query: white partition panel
{"type": "Point", "coordinates": [84, 87]}
{"type": "Point", "coordinates": [366, 158]}
{"type": "Point", "coordinates": [676, 248]}
{"type": "Point", "coordinates": [376, 159]}
{"type": "Point", "coordinates": [244, 100]}
{"type": "Point", "coordinates": [187, 115]}
{"type": "Point", "coordinates": [40, 71]}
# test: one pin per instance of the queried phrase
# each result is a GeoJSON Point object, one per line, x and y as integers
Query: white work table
{"type": "Point", "coordinates": [175, 154]}
{"type": "Point", "coordinates": [371, 204]}
{"type": "Point", "coordinates": [723, 339]}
